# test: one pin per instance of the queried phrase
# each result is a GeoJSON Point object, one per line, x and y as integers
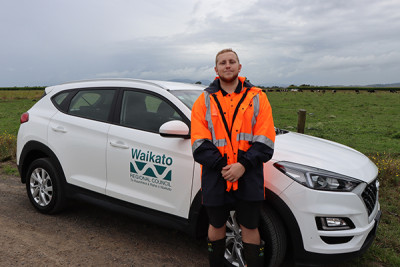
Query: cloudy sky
{"type": "Point", "coordinates": [318, 42]}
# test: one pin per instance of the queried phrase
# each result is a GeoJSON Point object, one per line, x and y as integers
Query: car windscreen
{"type": "Point", "coordinates": [188, 97]}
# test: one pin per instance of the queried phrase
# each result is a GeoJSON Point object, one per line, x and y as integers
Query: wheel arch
{"type": "Point", "coordinates": [34, 150]}
{"type": "Point", "coordinates": [198, 218]}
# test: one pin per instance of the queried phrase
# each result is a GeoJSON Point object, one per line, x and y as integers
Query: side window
{"type": "Point", "coordinates": [60, 100]}
{"type": "Point", "coordinates": [92, 104]}
{"type": "Point", "coordinates": [145, 111]}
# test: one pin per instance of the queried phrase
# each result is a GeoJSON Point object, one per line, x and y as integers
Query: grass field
{"type": "Point", "coordinates": [368, 122]}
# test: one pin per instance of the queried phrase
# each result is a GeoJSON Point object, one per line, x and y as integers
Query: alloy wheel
{"type": "Point", "coordinates": [234, 246]}
{"type": "Point", "coordinates": [41, 187]}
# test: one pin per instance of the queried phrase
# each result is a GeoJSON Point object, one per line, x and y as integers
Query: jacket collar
{"type": "Point", "coordinates": [215, 86]}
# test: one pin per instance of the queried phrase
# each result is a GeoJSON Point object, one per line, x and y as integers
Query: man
{"type": "Point", "coordinates": [232, 136]}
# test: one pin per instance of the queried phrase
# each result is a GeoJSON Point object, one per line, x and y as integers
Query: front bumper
{"type": "Point", "coordinates": [307, 205]}
{"type": "Point", "coordinates": [309, 258]}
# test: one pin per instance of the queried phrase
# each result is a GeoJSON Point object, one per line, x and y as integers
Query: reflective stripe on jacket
{"type": "Point", "coordinates": [249, 139]}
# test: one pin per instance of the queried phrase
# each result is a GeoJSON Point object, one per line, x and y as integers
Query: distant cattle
{"type": "Point", "coordinates": [371, 91]}
{"type": "Point", "coordinates": [357, 91]}
{"type": "Point", "coordinates": [393, 91]}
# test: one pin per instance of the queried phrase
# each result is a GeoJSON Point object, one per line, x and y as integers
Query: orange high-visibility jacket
{"type": "Point", "coordinates": [216, 141]}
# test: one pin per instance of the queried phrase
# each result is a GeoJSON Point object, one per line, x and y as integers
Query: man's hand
{"type": "Point", "coordinates": [233, 172]}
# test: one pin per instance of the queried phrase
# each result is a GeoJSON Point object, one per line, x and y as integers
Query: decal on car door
{"type": "Point", "coordinates": [151, 169]}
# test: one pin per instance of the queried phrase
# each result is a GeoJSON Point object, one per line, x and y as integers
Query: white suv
{"type": "Point", "coordinates": [127, 143]}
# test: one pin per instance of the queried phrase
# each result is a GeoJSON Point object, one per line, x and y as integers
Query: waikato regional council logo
{"type": "Point", "coordinates": [151, 169]}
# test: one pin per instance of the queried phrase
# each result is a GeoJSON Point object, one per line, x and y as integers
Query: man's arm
{"type": "Point", "coordinates": [207, 154]}
{"type": "Point", "coordinates": [262, 148]}
{"type": "Point", "coordinates": [204, 151]}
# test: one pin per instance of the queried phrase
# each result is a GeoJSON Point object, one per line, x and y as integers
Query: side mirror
{"type": "Point", "coordinates": [175, 129]}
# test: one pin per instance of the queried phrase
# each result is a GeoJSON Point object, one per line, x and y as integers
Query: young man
{"type": "Point", "coordinates": [232, 136]}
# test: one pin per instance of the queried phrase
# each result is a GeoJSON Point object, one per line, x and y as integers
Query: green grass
{"type": "Point", "coordinates": [12, 105]}
{"type": "Point", "coordinates": [8, 168]}
{"type": "Point", "coordinates": [366, 122]}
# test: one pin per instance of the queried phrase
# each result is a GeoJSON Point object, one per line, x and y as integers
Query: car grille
{"type": "Point", "coordinates": [370, 196]}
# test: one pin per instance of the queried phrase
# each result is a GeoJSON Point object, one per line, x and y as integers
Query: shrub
{"type": "Point", "coordinates": [389, 168]}
{"type": "Point", "coordinates": [8, 146]}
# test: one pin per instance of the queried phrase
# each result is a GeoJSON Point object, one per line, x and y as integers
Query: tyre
{"type": "Point", "coordinates": [272, 233]}
{"type": "Point", "coordinates": [44, 187]}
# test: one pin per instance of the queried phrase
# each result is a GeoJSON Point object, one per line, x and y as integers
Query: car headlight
{"type": "Point", "coordinates": [317, 179]}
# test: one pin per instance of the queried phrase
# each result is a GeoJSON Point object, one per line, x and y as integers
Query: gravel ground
{"type": "Point", "coordinates": [85, 235]}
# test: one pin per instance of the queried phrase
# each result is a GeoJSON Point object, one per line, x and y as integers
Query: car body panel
{"type": "Point", "coordinates": [150, 170]}
{"type": "Point", "coordinates": [324, 154]}
{"type": "Point", "coordinates": [36, 128]}
{"type": "Point", "coordinates": [80, 145]}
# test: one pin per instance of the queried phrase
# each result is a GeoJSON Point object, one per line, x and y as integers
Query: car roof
{"type": "Point", "coordinates": [166, 85]}
{"type": "Point", "coordinates": [176, 85]}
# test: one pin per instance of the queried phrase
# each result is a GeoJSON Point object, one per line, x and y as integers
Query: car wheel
{"type": "Point", "coordinates": [234, 247]}
{"type": "Point", "coordinates": [272, 233]}
{"type": "Point", "coordinates": [44, 187]}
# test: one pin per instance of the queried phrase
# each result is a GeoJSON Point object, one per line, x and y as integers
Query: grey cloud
{"type": "Point", "coordinates": [311, 41]}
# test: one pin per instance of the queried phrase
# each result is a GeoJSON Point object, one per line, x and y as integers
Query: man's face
{"type": "Point", "coordinates": [228, 67]}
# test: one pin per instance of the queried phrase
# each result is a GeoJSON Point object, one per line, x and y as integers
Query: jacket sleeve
{"type": "Point", "coordinates": [204, 151]}
{"type": "Point", "coordinates": [262, 148]}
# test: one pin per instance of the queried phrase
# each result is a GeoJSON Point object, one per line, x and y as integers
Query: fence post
{"type": "Point", "coordinates": [301, 122]}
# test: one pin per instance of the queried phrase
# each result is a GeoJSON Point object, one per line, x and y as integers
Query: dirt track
{"type": "Point", "coordinates": [85, 235]}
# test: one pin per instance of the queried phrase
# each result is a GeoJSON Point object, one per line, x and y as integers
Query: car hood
{"type": "Point", "coordinates": [324, 154]}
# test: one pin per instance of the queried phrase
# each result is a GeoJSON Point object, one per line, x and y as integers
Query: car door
{"type": "Point", "coordinates": [78, 136]}
{"type": "Point", "coordinates": [142, 167]}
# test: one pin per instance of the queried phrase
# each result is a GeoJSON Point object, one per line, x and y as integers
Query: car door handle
{"type": "Point", "coordinates": [119, 144]}
{"type": "Point", "coordinates": [59, 129]}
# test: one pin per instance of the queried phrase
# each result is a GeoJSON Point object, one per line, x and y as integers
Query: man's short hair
{"type": "Point", "coordinates": [225, 51]}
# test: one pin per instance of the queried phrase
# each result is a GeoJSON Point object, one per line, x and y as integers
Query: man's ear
{"type": "Point", "coordinates": [216, 71]}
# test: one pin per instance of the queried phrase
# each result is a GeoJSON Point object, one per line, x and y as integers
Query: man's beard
{"type": "Point", "coordinates": [229, 80]}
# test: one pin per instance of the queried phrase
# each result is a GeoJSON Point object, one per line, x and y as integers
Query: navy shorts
{"type": "Point", "coordinates": [247, 213]}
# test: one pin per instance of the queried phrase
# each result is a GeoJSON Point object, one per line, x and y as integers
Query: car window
{"type": "Point", "coordinates": [60, 100]}
{"type": "Point", "coordinates": [145, 111]}
{"type": "Point", "coordinates": [92, 104]}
